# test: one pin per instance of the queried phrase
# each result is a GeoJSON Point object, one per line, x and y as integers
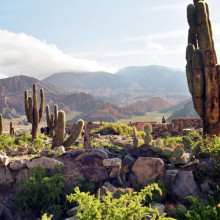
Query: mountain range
{"type": "Point", "coordinates": [127, 85]}
{"type": "Point", "coordinates": [69, 91]}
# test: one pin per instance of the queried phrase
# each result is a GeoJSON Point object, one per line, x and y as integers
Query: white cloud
{"type": "Point", "coordinates": [26, 55]}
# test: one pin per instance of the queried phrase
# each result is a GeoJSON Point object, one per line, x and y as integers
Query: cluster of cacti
{"type": "Point", "coordinates": [169, 151]}
{"type": "Point", "coordinates": [1, 125]}
{"type": "Point", "coordinates": [203, 73]}
{"type": "Point", "coordinates": [33, 115]}
{"type": "Point", "coordinates": [12, 130]}
{"type": "Point", "coordinates": [60, 131]}
{"type": "Point", "coordinates": [148, 137]}
{"type": "Point", "coordinates": [51, 119]}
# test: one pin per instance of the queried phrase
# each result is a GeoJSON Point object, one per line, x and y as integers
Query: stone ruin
{"type": "Point", "coordinates": [178, 126]}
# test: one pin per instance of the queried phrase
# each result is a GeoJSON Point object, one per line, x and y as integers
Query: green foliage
{"type": "Point", "coordinates": [174, 140]}
{"type": "Point", "coordinates": [208, 147]}
{"type": "Point", "coordinates": [45, 217]}
{"type": "Point", "coordinates": [85, 184]}
{"type": "Point", "coordinates": [6, 139]}
{"type": "Point", "coordinates": [99, 143]}
{"type": "Point", "coordinates": [41, 193]}
{"type": "Point", "coordinates": [178, 212]}
{"type": "Point", "coordinates": [127, 206]}
{"type": "Point", "coordinates": [198, 211]}
{"type": "Point", "coordinates": [116, 129]}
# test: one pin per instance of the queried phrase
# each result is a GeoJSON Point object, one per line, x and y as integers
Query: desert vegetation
{"type": "Point", "coordinates": [116, 171]}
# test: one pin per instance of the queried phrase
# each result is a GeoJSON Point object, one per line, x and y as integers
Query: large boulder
{"type": "Point", "coordinates": [184, 185]}
{"type": "Point", "coordinates": [112, 162]}
{"type": "Point", "coordinates": [45, 162]}
{"type": "Point", "coordinates": [18, 164]}
{"type": "Point", "coordinates": [6, 176]}
{"type": "Point", "coordinates": [147, 169]}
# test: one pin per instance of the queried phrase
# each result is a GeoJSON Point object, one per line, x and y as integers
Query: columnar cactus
{"type": "Point", "coordinates": [51, 119]}
{"type": "Point", "coordinates": [148, 130]}
{"type": "Point", "coordinates": [135, 139]}
{"type": "Point", "coordinates": [60, 131]}
{"type": "Point", "coordinates": [1, 125]}
{"type": "Point", "coordinates": [203, 73]}
{"type": "Point", "coordinates": [12, 130]}
{"type": "Point", "coordinates": [87, 142]}
{"type": "Point", "coordinates": [33, 115]}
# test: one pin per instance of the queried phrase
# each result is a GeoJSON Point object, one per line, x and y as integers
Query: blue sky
{"type": "Point", "coordinates": [40, 37]}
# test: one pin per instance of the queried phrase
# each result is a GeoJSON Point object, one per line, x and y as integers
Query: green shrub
{"type": "Point", "coordinates": [198, 211]}
{"type": "Point", "coordinates": [41, 193]}
{"type": "Point", "coordinates": [128, 206]}
{"type": "Point", "coordinates": [5, 139]}
{"type": "Point", "coordinates": [174, 140]}
{"type": "Point", "coordinates": [116, 129]}
{"type": "Point", "coordinates": [85, 184]}
{"type": "Point", "coordinates": [45, 217]}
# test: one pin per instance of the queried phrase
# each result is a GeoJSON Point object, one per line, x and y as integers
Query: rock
{"type": "Point", "coordinates": [72, 211]}
{"type": "Point", "coordinates": [71, 218]}
{"type": "Point", "coordinates": [88, 160]}
{"type": "Point", "coordinates": [81, 156]}
{"type": "Point", "coordinates": [9, 150]}
{"type": "Point", "coordinates": [186, 158]}
{"type": "Point", "coordinates": [2, 153]}
{"type": "Point", "coordinates": [22, 150]}
{"type": "Point", "coordinates": [31, 150]}
{"type": "Point", "coordinates": [22, 174]}
{"type": "Point", "coordinates": [159, 207]}
{"type": "Point", "coordinates": [6, 175]}
{"type": "Point", "coordinates": [18, 164]}
{"type": "Point", "coordinates": [43, 161]}
{"type": "Point", "coordinates": [129, 160]}
{"type": "Point", "coordinates": [77, 152]}
{"type": "Point", "coordinates": [205, 187]}
{"type": "Point", "coordinates": [96, 136]}
{"type": "Point", "coordinates": [99, 154]}
{"type": "Point", "coordinates": [114, 172]}
{"type": "Point", "coordinates": [147, 169]}
{"type": "Point", "coordinates": [112, 162]}
{"type": "Point", "coordinates": [98, 174]}
{"type": "Point", "coordinates": [145, 147]}
{"type": "Point", "coordinates": [60, 150]}
{"type": "Point", "coordinates": [169, 177]}
{"type": "Point", "coordinates": [4, 160]}
{"type": "Point", "coordinates": [136, 152]}
{"type": "Point", "coordinates": [184, 185]}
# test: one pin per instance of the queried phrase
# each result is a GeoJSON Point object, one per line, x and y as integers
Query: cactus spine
{"type": "Point", "coordinates": [51, 119]}
{"type": "Point", "coordinates": [33, 115]}
{"type": "Point", "coordinates": [60, 131]}
{"type": "Point", "coordinates": [1, 125]}
{"type": "Point", "coordinates": [203, 73]}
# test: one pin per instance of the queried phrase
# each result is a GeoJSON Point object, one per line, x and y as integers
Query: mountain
{"type": "Point", "coordinates": [187, 111]}
{"type": "Point", "coordinates": [12, 100]}
{"type": "Point", "coordinates": [126, 85]}
{"type": "Point", "coordinates": [140, 107]}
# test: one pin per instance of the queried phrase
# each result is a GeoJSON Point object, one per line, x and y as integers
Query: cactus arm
{"type": "Point", "coordinates": [55, 115]}
{"type": "Point", "coordinates": [60, 131]}
{"type": "Point", "coordinates": [48, 115]}
{"type": "Point", "coordinates": [1, 125]}
{"type": "Point", "coordinates": [30, 109]}
{"type": "Point", "coordinates": [35, 106]}
{"type": "Point", "coordinates": [75, 134]}
{"type": "Point", "coordinates": [41, 110]}
{"type": "Point", "coordinates": [135, 139]}
{"type": "Point", "coordinates": [26, 105]}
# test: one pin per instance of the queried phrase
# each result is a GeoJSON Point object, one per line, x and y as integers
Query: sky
{"type": "Point", "coordinates": [42, 37]}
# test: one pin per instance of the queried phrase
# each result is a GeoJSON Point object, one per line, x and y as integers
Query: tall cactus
{"type": "Point", "coordinates": [60, 131]}
{"type": "Point", "coordinates": [1, 125]}
{"type": "Point", "coordinates": [34, 115]}
{"type": "Point", "coordinates": [51, 119]}
{"type": "Point", "coordinates": [203, 73]}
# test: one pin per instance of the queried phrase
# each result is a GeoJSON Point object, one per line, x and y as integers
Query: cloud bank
{"type": "Point", "coordinates": [21, 54]}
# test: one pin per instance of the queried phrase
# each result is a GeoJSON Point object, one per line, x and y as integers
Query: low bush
{"type": "Point", "coordinates": [116, 129]}
{"type": "Point", "coordinates": [128, 206]}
